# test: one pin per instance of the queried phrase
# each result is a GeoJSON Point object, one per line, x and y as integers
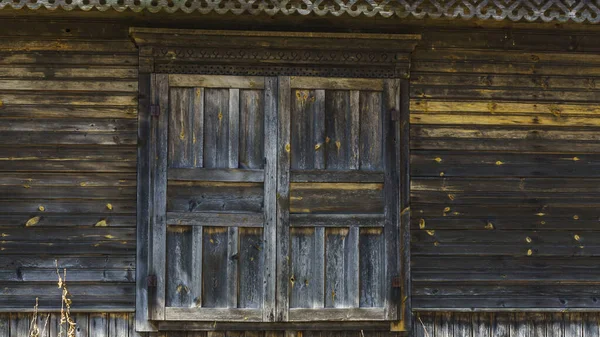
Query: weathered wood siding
{"type": "Point", "coordinates": [426, 324]}
{"type": "Point", "coordinates": [505, 160]}
{"type": "Point", "coordinates": [447, 324]}
{"type": "Point", "coordinates": [68, 107]}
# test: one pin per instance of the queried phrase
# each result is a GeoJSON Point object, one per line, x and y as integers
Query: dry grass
{"type": "Point", "coordinates": [67, 325]}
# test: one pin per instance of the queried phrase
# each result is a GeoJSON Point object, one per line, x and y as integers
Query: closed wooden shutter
{"type": "Point", "coordinates": [338, 199]}
{"type": "Point", "coordinates": [274, 199]}
{"type": "Point", "coordinates": [212, 233]}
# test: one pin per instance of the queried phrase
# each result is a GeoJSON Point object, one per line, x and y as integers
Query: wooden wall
{"type": "Point", "coordinates": [505, 166]}
{"type": "Point", "coordinates": [446, 324]}
{"type": "Point", "coordinates": [426, 324]}
{"type": "Point", "coordinates": [68, 121]}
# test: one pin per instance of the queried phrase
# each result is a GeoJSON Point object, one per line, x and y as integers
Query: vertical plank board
{"type": "Point", "coordinates": [214, 262]}
{"type": "Point", "coordinates": [179, 266]}
{"type": "Point", "coordinates": [555, 324]}
{"type": "Point", "coordinates": [318, 139]}
{"type": "Point", "coordinates": [216, 128]}
{"type": "Point", "coordinates": [341, 267]}
{"type": "Point", "coordinates": [196, 281]}
{"type": "Point", "coordinates": [482, 324]}
{"type": "Point", "coordinates": [117, 326]}
{"type": "Point", "coordinates": [82, 325]}
{"type": "Point", "coordinates": [443, 324]}
{"type": "Point", "coordinates": [5, 324]}
{"type": "Point", "coordinates": [198, 127]}
{"type": "Point", "coordinates": [159, 227]}
{"type": "Point", "coordinates": [180, 127]}
{"type": "Point", "coordinates": [232, 233]}
{"type": "Point", "coordinates": [302, 114]}
{"type": "Point", "coordinates": [354, 132]}
{"type": "Point", "coordinates": [590, 324]}
{"type": "Point", "coordinates": [463, 325]}
{"type": "Point", "coordinates": [351, 272]}
{"type": "Point", "coordinates": [520, 326]}
{"type": "Point", "coordinates": [391, 196]}
{"type": "Point", "coordinates": [283, 199]}
{"type": "Point", "coordinates": [538, 325]}
{"type": "Point", "coordinates": [98, 325]}
{"type": "Point", "coordinates": [404, 197]}
{"type": "Point", "coordinates": [143, 204]}
{"type": "Point", "coordinates": [500, 325]}
{"type": "Point", "coordinates": [270, 197]}
{"type": "Point", "coordinates": [318, 277]}
{"type": "Point", "coordinates": [372, 263]}
{"type": "Point", "coordinates": [252, 114]}
{"type": "Point", "coordinates": [19, 324]}
{"type": "Point", "coordinates": [302, 250]}
{"type": "Point", "coordinates": [371, 133]}
{"type": "Point", "coordinates": [337, 125]}
{"type": "Point", "coordinates": [54, 325]}
{"type": "Point", "coordinates": [232, 267]}
{"type": "Point", "coordinates": [234, 128]}
{"type": "Point", "coordinates": [251, 261]}
{"type": "Point", "coordinates": [573, 324]}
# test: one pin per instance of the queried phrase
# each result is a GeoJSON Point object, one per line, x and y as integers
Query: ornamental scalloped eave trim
{"type": "Point", "coordinates": [579, 11]}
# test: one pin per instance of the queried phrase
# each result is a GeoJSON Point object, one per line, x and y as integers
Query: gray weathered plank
{"type": "Point", "coordinates": [219, 174]}
{"type": "Point", "coordinates": [283, 199]}
{"type": "Point", "coordinates": [271, 227]}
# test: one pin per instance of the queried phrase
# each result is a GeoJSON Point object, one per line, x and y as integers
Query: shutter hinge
{"type": "Point", "coordinates": [395, 114]}
{"type": "Point", "coordinates": [151, 281]}
{"type": "Point", "coordinates": [397, 282]}
{"type": "Point", "coordinates": [154, 110]}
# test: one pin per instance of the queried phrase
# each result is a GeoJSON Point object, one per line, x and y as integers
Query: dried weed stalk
{"type": "Point", "coordinates": [67, 325]}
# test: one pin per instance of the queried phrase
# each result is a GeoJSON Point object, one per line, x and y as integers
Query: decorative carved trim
{"type": "Point", "coordinates": [514, 10]}
{"type": "Point", "coordinates": [273, 53]}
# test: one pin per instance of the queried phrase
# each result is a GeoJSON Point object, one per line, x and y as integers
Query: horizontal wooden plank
{"type": "Point", "coordinates": [94, 85]}
{"type": "Point", "coordinates": [574, 211]}
{"type": "Point", "coordinates": [534, 222]}
{"type": "Point", "coordinates": [335, 314]}
{"type": "Point", "coordinates": [68, 138]}
{"type": "Point", "coordinates": [505, 133]}
{"type": "Point", "coordinates": [497, 164]}
{"type": "Point", "coordinates": [336, 197]}
{"type": "Point", "coordinates": [209, 81]}
{"type": "Point", "coordinates": [503, 107]}
{"type": "Point", "coordinates": [494, 290]}
{"type": "Point", "coordinates": [511, 81]}
{"type": "Point", "coordinates": [510, 237]}
{"type": "Point", "coordinates": [98, 247]}
{"type": "Point", "coordinates": [493, 185]}
{"type": "Point", "coordinates": [487, 119]}
{"type": "Point", "coordinates": [71, 98]}
{"type": "Point", "coordinates": [38, 179]}
{"type": "Point", "coordinates": [215, 219]}
{"type": "Point", "coordinates": [278, 327]}
{"type": "Point", "coordinates": [325, 176]}
{"type": "Point", "coordinates": [75, 275]}
{"type": "Point", "coordinates": [52, 58]}
{"type": "Point", "coordinates": [336, 220]}
{"type": "Point", "coordinates": [55, 72]}
{"type": "Point", "coordinates": [487, 249]}
{"type": "Point", "coordinates": [209, 314]}
{"type": "Point", "coordinates": [300, 82]}
{"type": "Point", "coordinates": [225, 175]}
{"type": "Point", "coordinates": [35, 234]}
{"type": "Point", "coordinates": [489, 67]}
{"type": "Point", "coordinates": [214, 197]}
{"type": "Point", "coordinates": [67, 111]}
{"type": "Point", "coordinates": [505, 303]}
{"type": "Point", "coordinates": [16, 44]}
{"type": "Point", "coordinates": [62, 192]}
{"type": "Point", "coordinates": [80, 206]}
